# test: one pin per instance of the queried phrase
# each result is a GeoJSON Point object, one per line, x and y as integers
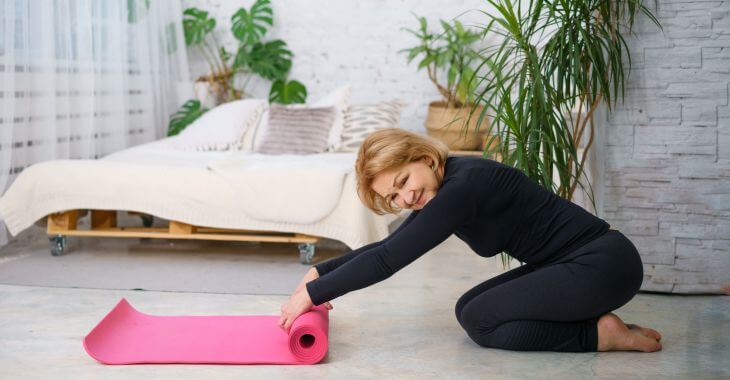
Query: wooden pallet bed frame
{"type": "Point", "coordinates": [104, 224]}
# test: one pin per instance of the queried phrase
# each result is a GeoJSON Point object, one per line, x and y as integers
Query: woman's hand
{"type": "Point", "coordinates": [312, 274]}
{"type": "Point", "coordinates": [298, 304]}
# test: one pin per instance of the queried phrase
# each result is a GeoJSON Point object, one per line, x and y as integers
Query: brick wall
{"type": "Point", "coordinates": [661, 157]}
{"type": "Point", "coordinates": [667, 153]}
{"type": "Point", "coordinates": [356, 42]}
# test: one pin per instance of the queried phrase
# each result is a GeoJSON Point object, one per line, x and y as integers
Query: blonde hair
{"type": "Point", "coordinates": [393, 148]}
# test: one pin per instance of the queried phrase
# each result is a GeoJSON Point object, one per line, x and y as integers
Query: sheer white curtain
{"type": "Point", "coordinates": [83, 78]}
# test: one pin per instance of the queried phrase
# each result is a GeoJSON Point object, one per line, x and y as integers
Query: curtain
{"type": "Point", "coordinates": [80, 79]}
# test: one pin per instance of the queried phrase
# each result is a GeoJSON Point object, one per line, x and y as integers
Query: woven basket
{"type": "Point", "coordinates": [446, 124]}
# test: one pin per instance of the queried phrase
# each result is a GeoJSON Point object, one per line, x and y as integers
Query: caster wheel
{"type": "Point", "coordinates": [306, 252]}
{"type": "Point", "coordinates": [58, 244]}
{"type": "Point", "coordinates": [147, 220]}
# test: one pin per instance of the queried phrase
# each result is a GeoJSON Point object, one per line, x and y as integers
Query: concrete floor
{"type": "Point", "coordinates": [402, 327]}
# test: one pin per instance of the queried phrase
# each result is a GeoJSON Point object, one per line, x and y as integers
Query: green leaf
{"type": "Point", "coordinates": [271, 60]}
{"type": "Point", "coordinates": [287, 92]}
{"type": "Point", "coordinates": [426, 61]}
{"type": "Point", "coordinates": [422, 23]}
{"type": "Point", "coordinates": [185, 116]}
{"type": "Point", "coordinates": [250, 27]}
{"type": "Point", "coordinates": [446, 26]}
{"type": "Point", "coordinates": [196, 25]}
{"type": "Point", "coordinates": [466, 85]}
{"type": "Point", "coordinates": [412, 53]}
{"type": "Point", "coordinates": [459, 28]}
{"type": "Point", "coordinates": [451, 76]}
{"type": "Point", "coordinates": [448, 58]}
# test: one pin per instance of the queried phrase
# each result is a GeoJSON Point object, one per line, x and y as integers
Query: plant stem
{"type": "Point", "coordinates": [213, 55]}
{"type": "Point", "coordinates": [207, 59]}
{"type": "Point", "coordinates": [590, 141]}
{"type": "Point", "coordinates": [432, 76]}
{"type": "Point", "coordinates": [218, 50]}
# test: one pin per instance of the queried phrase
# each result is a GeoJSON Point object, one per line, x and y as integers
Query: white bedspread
{"type": "Point", "coordinates": [298, 189]}
{"type": "Point", "coordinates": [313, 194]}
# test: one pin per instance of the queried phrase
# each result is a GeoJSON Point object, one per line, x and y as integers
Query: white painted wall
{"type": "Point", "coordinates": [357, 42]}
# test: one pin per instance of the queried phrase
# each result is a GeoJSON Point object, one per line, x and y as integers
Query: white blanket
{"type": "Point", "coordinates": [278, 188]}
{"type": "Point", "coordinates": [212, 189]}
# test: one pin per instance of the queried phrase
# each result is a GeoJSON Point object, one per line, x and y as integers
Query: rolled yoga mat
{"type": "Point", "coordinates": [126, 336]}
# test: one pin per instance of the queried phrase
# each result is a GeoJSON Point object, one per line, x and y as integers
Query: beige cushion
{"type": "Point", "coordinates": [338, 98]}
{"type": "Point", "coordinates": [364, 119]}
{"type": "Point", "coordinates": [297, 130]}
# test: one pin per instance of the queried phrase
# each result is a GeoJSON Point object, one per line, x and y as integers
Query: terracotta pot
{"type": "Point", "coordinates": [446, 124]}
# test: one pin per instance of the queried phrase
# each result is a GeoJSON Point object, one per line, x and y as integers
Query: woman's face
{"type": "Point", "coordinates": [408, 187]}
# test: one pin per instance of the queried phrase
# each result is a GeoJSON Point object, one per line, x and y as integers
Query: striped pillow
{"type": "Point", "coordinates": [297, 130]}
{"type": "Point", "coordinates": [364, 119]}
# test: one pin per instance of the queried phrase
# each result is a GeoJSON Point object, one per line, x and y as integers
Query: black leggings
{"type": "Point", "coordinates": [554, 306]}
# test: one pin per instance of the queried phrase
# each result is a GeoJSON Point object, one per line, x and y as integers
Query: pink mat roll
{"type": "Point", "coordinates": [126, 336]}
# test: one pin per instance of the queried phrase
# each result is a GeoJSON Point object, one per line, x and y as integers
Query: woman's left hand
{"type": "Point", "coordinates": [298, 304]}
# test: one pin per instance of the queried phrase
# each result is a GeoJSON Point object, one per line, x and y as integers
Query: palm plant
{"type": "Point", "coordinates": [530, 86]}
{"type": "Point", "coordinates": [270, 60]}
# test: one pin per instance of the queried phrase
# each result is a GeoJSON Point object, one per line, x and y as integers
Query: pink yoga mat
{"type": "Point", "coordinates": [126, 336]}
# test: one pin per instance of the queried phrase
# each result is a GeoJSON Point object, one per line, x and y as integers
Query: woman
{"type": "Point", "coordinates": [577, 268]}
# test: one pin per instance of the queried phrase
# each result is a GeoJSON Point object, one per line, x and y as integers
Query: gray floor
{"type": "Point", "coordinates": [403, 327]}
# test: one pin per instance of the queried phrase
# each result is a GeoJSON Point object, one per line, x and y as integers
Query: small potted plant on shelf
{"type": "Point", "coordinates": [450, 52]}
{"type": "Point", "coordinates": [270, 60]}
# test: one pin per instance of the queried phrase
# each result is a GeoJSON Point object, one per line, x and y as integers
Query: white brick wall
{"type": "Point", "coordinates": [667, 164]}
{"type": "Point", "coordinates": [665, 149]}
{"type": "Point", "coordinates": [336, 42]}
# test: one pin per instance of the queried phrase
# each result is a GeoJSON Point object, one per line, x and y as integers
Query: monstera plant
{"type": "Point", "coordinates": [270, 60]}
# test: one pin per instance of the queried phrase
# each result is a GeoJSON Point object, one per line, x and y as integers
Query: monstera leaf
{"type": "Point", "coordinates": [187, 114]}
{"type": "Point", "coordinates": [197, 25]}
{"type": "Point", "coordinates": [271, 60]}
{"type": "Point", "coordinates": [287, 92]}
{"type": "Point", "coordinates": [250, 27]}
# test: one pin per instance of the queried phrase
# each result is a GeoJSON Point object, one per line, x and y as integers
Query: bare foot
{"type": "Point", "coordinates": [614, 335]}
{"type": "Point", "coordinates": [647, 332]}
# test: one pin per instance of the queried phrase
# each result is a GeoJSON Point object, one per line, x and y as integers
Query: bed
{"type": "Point", "coordinates": [209, 195]}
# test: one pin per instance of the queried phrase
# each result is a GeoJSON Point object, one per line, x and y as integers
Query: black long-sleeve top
{"type": "Point", "coordinates": [491, 206]}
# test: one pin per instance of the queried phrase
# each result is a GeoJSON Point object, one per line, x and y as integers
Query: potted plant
{"type": "Point", "coordinates": [449, 52]}
{"type": "Point", "coordinates": [531, 95]}
{"type": "Point", "coordinates": [270, 60]}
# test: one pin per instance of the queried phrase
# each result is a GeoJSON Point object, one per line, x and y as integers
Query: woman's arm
{"type": "Point", "coordinates": [453, 205]}
{"type": "Point", "coordinates": [329, 265]}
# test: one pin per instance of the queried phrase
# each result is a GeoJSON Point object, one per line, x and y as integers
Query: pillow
{"type": "Point", "coordinates": [297, 130]}
{"type": "Point", "coordinates": [221, 128]}
{"type": "Point", "coordinates": [338, 98]}
{"type": "Point", "coordinates": [364, 119]}
{"type": "Point", "coordinates": [247, 144]}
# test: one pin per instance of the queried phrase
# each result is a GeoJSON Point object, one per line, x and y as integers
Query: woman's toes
{"type": "Point", "coordinates": [643, 343]}
{"type": "Point", "coordinates": [651, 333]}
{"type": "Point", "coordinates": [655, 334]}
